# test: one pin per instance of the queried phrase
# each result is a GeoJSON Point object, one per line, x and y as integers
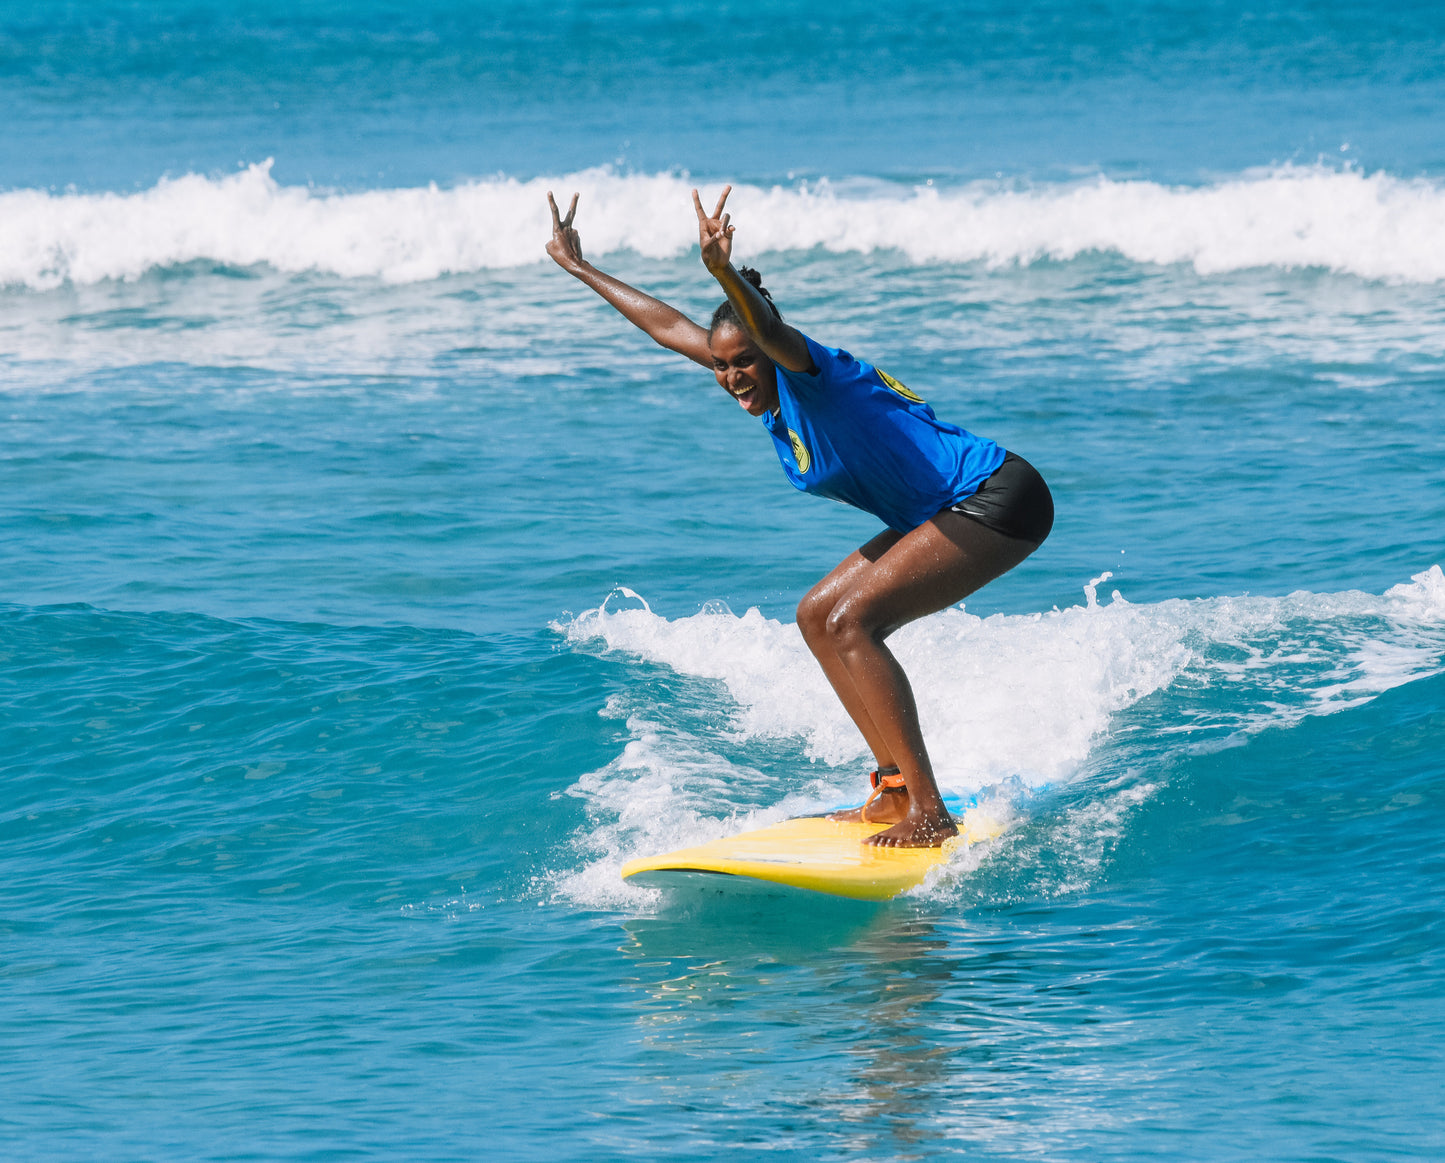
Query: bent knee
{"type": "Point", "coordinates": [813, 613]}
{"type": "Point", "coordinates": [849, 622]}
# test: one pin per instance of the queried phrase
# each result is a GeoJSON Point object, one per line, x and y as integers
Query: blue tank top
{"type": "Point", "coordinates": [853, 433]}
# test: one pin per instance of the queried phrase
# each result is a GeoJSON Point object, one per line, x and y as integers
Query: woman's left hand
{"type": "Point", "coordinates": [565, 245]}
{"type": "Point", "coordinates": [714, 235]}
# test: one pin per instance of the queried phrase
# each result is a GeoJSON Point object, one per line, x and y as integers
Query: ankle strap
{"type": "Point", "coordinates": [881, 783]}
{"type": "Point", "coordinates": [877, 777]}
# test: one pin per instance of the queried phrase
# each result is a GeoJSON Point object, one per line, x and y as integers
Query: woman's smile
{"type": "Point", "coordinates": [743, 370]}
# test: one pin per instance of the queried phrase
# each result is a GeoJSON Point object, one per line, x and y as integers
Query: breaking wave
{"type": "Point", "coordinates": [1374, 226]}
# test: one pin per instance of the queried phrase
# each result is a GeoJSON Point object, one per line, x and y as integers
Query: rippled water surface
{"type": "Point", "coordinates": [371, 593]}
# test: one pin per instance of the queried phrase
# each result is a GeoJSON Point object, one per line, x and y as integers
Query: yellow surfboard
{"type": "Point", "coordinates": [814, 853]}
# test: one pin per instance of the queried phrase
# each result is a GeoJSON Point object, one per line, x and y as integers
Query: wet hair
{"type": "Point", "coordinates": [727, 313]}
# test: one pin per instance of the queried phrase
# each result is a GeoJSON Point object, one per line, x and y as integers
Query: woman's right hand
{"type": "Point", "coordinates": [565, 245]}
{"type": "Point", "coordinates": [714, 233]}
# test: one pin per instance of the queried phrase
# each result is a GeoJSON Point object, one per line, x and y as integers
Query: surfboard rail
{"type": "Point", "coordinates": [819, 855]}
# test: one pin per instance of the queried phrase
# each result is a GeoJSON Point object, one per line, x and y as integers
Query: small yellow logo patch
{"type": "Point", "coordinates": [889, 381]}
{"type": "Point", "coordinates": [800, 452]}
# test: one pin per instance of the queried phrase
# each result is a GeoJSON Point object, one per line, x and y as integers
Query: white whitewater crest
{"type": "Point", "coordinates": [1375, 226]}
{"type": "Point", "coordinates": [1008, 702]}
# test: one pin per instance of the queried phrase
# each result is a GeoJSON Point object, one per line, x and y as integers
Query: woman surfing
{"type": "Point", "coordinates": [960, 510]}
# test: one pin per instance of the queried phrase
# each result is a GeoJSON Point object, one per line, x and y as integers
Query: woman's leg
{"type": "Point", "coordinates": [926, 570]}
{"type": "Point", "coordinates": [813, 612]}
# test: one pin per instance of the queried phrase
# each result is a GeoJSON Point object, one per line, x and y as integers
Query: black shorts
{"type": "Point", "coordinates": [1014, 501]}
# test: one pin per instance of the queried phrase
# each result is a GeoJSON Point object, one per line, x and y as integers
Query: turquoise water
{"type": "Point", "coordinates": [371, 593]}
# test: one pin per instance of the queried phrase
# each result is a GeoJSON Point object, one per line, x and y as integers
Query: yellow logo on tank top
{"type": "Point", "coordinates": [800, 453]}
{"type": "Point", "coordinates": [889, 381]}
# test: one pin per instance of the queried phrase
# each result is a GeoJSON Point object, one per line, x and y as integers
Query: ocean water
{"type": "Point", "coordinates": [371, 592]}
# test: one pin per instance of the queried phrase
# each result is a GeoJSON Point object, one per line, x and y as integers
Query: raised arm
{"type": "Point", "coordinates": [780, 343]}
{"type": "Point", "coordinates": [666, 325]}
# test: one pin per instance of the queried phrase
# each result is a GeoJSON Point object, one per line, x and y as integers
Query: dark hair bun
{"type": "Point", "coordinates": [756, 279]}
{"type": "Point", "coordinates": [725, 312]}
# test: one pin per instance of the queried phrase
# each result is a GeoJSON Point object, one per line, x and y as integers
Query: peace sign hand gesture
{"type": "Point", "coordinates": [565, 245]}
{"type": "Point", "coordinates": [715, 236]}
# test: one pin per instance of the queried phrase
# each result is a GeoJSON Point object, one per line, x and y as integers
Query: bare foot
{"type": "Point", "coordinates": [890, 807]}
{"type": "Point", "coordinates": [918, 829]}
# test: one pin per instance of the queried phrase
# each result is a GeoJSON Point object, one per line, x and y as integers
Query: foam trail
{"type": "Point", "coordinates": [1371, 225]}
{"type": "Point", "coordinates": [1027, 696]}
{"type": "Point", "coordinates": [1006, 702]}
{"type": "Point", "coordinates": [1004, 697]}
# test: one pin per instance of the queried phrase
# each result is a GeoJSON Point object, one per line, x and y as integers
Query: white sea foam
{"type": "Point", "coordinates": [1000, 697]}
{"type": "Point", "coordinates": [1008, 702]}
{"type": "Point", "coordinates": [1376, 226]}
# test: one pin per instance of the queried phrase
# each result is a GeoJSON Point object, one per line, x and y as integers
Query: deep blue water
{"type": "Point", "coordinates": [371, 592]}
